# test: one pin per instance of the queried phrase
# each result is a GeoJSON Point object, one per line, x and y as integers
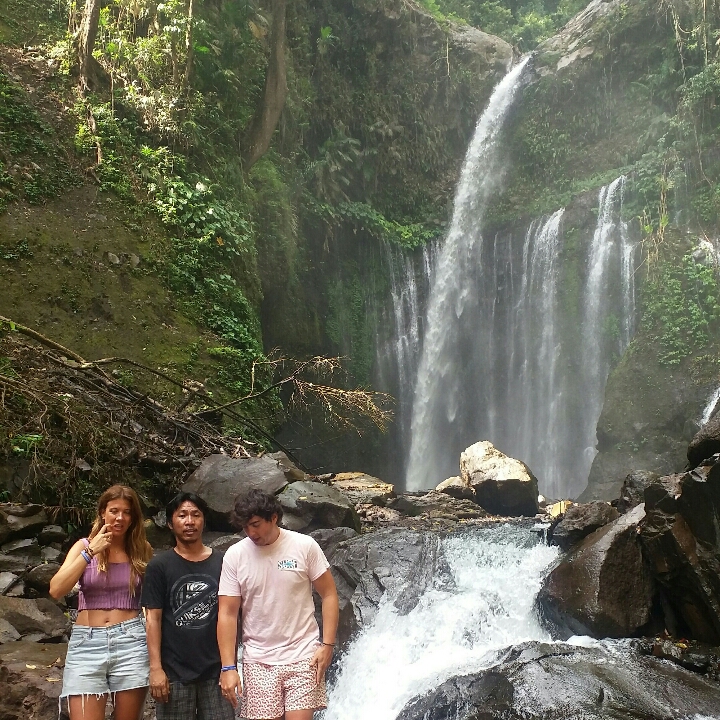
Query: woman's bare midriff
{"type": "Point", "coordinates": [104, 618]}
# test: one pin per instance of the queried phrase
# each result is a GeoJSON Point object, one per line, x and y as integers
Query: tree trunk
{"type": "Point", "coordinates": [86, 41]}
{"type": "Point", "coordinates": [270, 107]}
{"type": "Point", "coordinates": [189, 50]}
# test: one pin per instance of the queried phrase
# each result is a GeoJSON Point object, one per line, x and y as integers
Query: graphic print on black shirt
{"type": "Point", "coordinates": [186, 592]}
{"type": "Point", "coordinates": [194, 601]}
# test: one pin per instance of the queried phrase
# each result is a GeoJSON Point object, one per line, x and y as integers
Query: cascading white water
{"type": "Point", "coordinates": [707, 412]}
{"type": "Point", "coordinates": [497, 573]}
{"type": "Point", "coordinates": [399, 354]}
{"type": "Point", "coordinates": [526, 361]}
{"type": "Point", "coordinates": [439, 383]}
{"type": "Point", "coordinates": [610, 231]}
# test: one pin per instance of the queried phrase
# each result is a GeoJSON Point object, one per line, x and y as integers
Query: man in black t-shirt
{"type": "Point", "coordinates": [180, 599]}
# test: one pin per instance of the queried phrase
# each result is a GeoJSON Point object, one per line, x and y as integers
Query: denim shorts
{"type": "Point", "coordinates": [104, 660]}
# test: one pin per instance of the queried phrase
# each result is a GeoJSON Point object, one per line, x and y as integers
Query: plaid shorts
{"type": "Point", "coordinates": [270, 690]}
{"type": "Point", "coordinates": [201, 699]}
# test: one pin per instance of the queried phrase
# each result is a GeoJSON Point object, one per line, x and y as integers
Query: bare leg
{"type": "Point", "coordinates": [87, 707]}
{"type": "Point", "coordinates": [129, 704]}
{"type": "Point", "coordinates": [299, 714]}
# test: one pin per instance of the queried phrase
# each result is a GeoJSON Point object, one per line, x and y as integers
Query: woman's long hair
{"type": "Point", "coordinates": [136, 545]}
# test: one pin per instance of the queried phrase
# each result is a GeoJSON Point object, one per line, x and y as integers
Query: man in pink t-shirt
{"type": "Point", "coordinates": [271, 575]}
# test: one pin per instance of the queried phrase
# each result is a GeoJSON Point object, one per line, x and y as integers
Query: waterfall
{"type": "Point", "coordinates": [709, 408]}
{"type": "Point", "coordinates": [598, 310]}
{"type": "Point", "coordinates": [440, 383]}
{"type": "Point", "coordinates": [456, 628]}
{"type": "Point", "coordinates": [398, 355]}
{"type": "Point", "coordinates": [520, 344]}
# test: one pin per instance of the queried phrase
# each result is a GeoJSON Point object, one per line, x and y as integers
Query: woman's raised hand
{"type": "Point", "coordinates": [101, 541]}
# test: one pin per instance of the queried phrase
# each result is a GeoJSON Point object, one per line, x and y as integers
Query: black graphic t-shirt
{"type": "Point", "coordinates": [187, 594]}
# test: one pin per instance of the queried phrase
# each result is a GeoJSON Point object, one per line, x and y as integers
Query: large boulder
{"type": "Point", "coordinates": [40, 619]}
{"type": "Point", "coordinates": [20, 521]}
{"type": "Point", "coordinates": [458, 488]}
{"type": "Point", "coordinates": [537, 680]}
{"type": "Point", "coordinates": [309, 506]}
{"type": "Point", "coordinates": [705, 443]}
{"type": "Point", "coordinates": [364, 489]}
{"type": "Point", "coordinates": [503, 485]}
{"type": "Point", "coordinates": [404, 563]}
{"type": "Point", "coordinates": [632, 492]}
{"type": "Point", "coordinates": [40, 576]}
{"type": "Point", "coordinates": [580, 520]}
{"type": "Point", "coordinates": [602, 588]}
{"type": "Point", "coordinates": [220, 479]}
{"type": "Point", "coordinates": [681, 539]}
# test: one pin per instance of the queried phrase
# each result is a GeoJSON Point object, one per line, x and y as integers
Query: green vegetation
{"type": "Point", "coordinates": [682, 308]}
{"type": "Point", "coordinates": [524, 24]}
{"type": "Point", "coordinates": [31, 164]}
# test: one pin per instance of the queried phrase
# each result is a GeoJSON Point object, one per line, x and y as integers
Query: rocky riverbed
{"type": "Point", "coordinates": [644, 566]}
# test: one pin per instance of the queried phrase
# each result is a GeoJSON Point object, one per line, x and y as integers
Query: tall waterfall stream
{"type": "Point", "coordinates": [458, 626]}
{"type": "Point", "coordinates": [489, 341]}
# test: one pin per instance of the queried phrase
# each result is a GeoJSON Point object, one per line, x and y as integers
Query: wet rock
{"type": "Point", "coordinates": [602, 588]}
{"type": "Point", "coordinates": [365, 489]}
{"type": "Point", "coordinates": [435, 505]}
{"type": "Point", "coordinates": [329, 538]}
{"type": "Point", "coordinates": [580, 520]}
{"type": "Point", "coordinates": [39, 577]}
{"type": "Point", "coordinates": [632, 492]}
{"type": "Point", "coordinates": [458, 488]}
{"type": "Point", "coordinates": [681, 539]}
{"type": "Point", "coordinates": [705, 443]}
{"type": "Point", "coordinates": [40, 618]}
{"type": "Point", "coordinates": [402, 562]}
{"type": "Point", "coordinates": [220, 479]}
{"type": "Point", "coordinates": [52, 534]}
{"type": "Point", "coordinates": [310, 506]}
{"type": "Point", "coordinates": [695, 656]}
{"type": "Point", "coordinates": [537, 680]}
{"type": "Point", "coordinates": [503, 485]}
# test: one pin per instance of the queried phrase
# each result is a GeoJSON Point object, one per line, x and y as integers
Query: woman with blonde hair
{"type": "Point", "coordinates": [107, 652]}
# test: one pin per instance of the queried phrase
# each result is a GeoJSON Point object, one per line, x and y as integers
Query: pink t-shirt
{"type": "Point", "coordinates": [275, 584]}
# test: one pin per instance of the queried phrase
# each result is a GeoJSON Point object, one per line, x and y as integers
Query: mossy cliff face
{"type": "Point", "coordinates": [395, 100]}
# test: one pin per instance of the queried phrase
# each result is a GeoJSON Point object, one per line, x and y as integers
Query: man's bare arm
{"type": "Point", "coordinates": [159, 683]}
{"type": "Point", "coordinates": [228, 610]}
{"type": "Point", "coordinates": [325, 588]}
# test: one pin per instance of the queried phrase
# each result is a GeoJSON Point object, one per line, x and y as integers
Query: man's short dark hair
{"type": "Point", "coordinates": [253, 503]}
{"type": "Point", "coordinates": [182, 497]}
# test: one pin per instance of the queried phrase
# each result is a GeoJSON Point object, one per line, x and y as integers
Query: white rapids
{"type": "Point", "coordinates": [496, 573]}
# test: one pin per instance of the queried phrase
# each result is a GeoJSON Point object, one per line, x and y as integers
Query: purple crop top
{"type": "Point", "coordinates": [107, 590]}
